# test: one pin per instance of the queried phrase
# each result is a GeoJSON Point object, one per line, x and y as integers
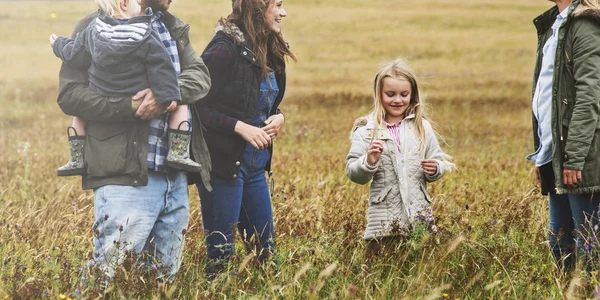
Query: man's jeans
{"type": "Point", "coordinates": [244, 203]}
{"type": "Point", "coordinates": [573, 214]}
{"type": "Point", "coordinates": [143, 220]}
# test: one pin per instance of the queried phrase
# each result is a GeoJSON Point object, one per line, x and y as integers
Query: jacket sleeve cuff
{"type": "Point", "coordinates": [367, 167]}
{"type": "Point", "coordinates": [438, 172]}
{"type": "Point", "coordinates": [574, 156]}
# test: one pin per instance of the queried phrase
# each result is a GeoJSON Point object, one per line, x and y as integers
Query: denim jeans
{"type": "Point", "coordinates": [244, 203]}
{"type": "Point", "coordinates": [142, 220]}
{"type": "Point", "coordinates": [572, 221]}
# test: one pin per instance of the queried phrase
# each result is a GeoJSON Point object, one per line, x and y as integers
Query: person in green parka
{"type": "Point", "coordinates": [566, 127]}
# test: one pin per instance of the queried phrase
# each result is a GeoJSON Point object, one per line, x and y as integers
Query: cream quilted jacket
{"type": "Point", "coordinates": [398, 192]}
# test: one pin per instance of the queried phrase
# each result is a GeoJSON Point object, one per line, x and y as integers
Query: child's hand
{"type": "Point", "coordinates": [429, 166]}
{"type": "Point", "coordinates": [374, 152]}
{"type": "Point", "coordinates": [52, 39]}
{"type": "Point", "coordinates": [172, 106]}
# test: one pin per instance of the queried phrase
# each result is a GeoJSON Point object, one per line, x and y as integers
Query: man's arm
{"type": "Point", "coordinates": [76, 99]}
{"type": "Point", "coordinates": [194, 79]}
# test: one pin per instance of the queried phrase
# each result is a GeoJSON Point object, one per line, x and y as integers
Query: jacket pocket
{"type": "Point", "coordinates": [106, 148]}
{"type": "Point", "coordinates": [425, 193]}
{"type": "Point", "coordinates": [382, 195]}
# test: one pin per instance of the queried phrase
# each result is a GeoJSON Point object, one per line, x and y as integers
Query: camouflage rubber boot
{"type": "Point", "coordinates": [179, 156]}
{"type": "Point", "coordinates": [76, 165]}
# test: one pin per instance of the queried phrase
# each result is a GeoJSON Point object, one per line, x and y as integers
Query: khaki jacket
{"type": "Point", "coordinates": [575, 95]}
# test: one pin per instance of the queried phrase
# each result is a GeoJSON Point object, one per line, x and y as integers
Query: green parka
{"type": "Point", "coordinates": [575, 95]}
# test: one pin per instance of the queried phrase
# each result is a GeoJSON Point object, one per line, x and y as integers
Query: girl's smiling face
{"type": "Point", "coordinates": [274, 15]}
{"type": "Point", "coordinates": [395, 97]}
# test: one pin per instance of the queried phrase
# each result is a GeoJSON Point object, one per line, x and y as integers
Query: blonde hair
{"type": "Point", "coordinates": [585, 5]}
{"type": "Point", "coordinates": [111, 8]}
{"type": "Point", "coordinates": [399, 69]}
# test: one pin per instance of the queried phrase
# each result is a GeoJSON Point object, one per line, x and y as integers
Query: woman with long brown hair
{"type": "Point", "coordinates": [247, 61]}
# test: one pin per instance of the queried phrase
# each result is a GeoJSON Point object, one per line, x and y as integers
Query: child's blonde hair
{"type": "Point", "coordinates": [399, 69]}
{"type": "Point", "coordinates": [111, 8]}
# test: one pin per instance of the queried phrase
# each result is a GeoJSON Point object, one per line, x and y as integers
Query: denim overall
{"type": "Point", "coordinates": [244, 202]}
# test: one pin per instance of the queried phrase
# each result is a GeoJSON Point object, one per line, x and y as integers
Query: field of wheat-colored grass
{"type": "Point", "coordinates": [474, 59]}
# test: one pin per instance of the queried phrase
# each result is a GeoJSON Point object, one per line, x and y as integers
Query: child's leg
{"type": "Point", "coordinates": [76, 164]}
{"type": "Point", "coordinates": [180, 114]}
{"type": "Point", "coordinates": [79, 125]}
{"type": "Point", "coordinates": [179, 141]}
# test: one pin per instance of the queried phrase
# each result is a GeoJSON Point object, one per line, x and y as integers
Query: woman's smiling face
{"type": "Point", "coordinates": [274, 15]}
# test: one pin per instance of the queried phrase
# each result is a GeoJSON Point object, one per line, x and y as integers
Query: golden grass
{"type": "Point", "coordinates": [475, 60]}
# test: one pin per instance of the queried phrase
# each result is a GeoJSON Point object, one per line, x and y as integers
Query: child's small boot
{"type": "Point", "coordinates": [76, 165]}
{"type": "Point", "coordinates": [179, 157]}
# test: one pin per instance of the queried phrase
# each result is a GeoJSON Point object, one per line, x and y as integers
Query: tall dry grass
{"type": "Point", "coordinates": [474, 59]}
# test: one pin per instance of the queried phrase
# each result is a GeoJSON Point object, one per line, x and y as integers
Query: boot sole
{"type": "Point", "coordinates": [71, 172]}
{"type": "Point", "coordinates": [184, 167]}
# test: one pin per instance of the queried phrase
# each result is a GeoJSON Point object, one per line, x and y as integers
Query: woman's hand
{"type": "Point", "coordinates": [274, 124]}
{"type": "Point", "coordinates": [257, 137]}
{"type": "Point", "coordinates": [374, 152]}
{"type": "Point", "coordinates": [52, 39]}
{"type": "Point", "coordinates": [429, 166]}
{"type": "Point", "coordinates": [571, 178]}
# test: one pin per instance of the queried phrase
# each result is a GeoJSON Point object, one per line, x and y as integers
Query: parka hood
{"type": "Point", "coordinates": [117, 38]}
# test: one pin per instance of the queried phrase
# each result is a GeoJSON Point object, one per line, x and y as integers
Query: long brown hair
{"type": "Point", "coordinates": [269, 47]}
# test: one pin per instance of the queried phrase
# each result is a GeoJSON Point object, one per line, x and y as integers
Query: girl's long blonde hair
{"type": "Point", "coordinates": [399, 69]}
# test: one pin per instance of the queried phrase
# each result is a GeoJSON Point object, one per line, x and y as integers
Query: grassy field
{"type": "Point", "coordinates": [474, 58]}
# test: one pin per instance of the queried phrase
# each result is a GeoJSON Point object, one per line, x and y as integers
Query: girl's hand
{"type": "Point", "coordinates": [374, 152]}
{"type": "Point", "coordinates": [257, 137]}
{"type": "Point", "coordinates": [52, 39]}
{"type": "Point", "coordinates": [274, 124]}
{"type": "Point", "coordinates": [429, 166]}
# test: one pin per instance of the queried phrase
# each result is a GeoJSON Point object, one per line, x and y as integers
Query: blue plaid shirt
{"type": "Point", "coordinates": [158, 139]}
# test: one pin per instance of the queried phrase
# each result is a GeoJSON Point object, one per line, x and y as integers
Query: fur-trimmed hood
{"type": "Point", "coordinates": [231, 30]}
{"type": "Point", "coordinates": [589, 14]}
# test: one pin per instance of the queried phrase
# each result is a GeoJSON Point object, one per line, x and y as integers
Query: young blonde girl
{"type": "Point", "coordinates": [396, 149]}
{"type": "Point", "coordinates": [123, 55]}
